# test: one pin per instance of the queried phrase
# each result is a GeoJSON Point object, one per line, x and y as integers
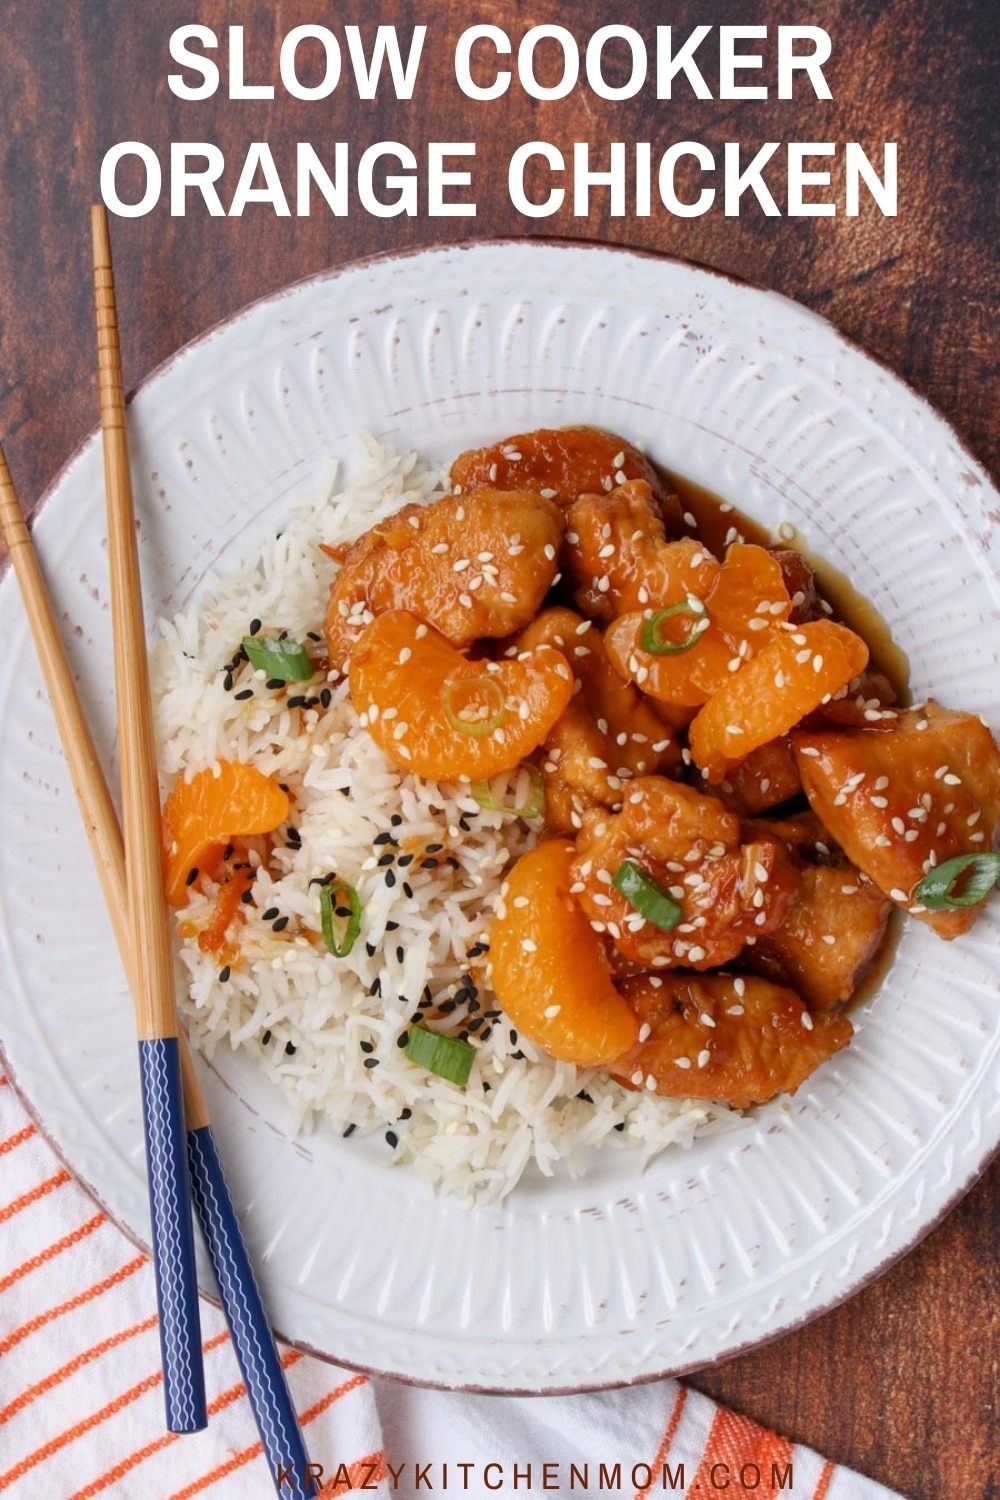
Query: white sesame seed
{"type": "Point", "coordinates": [682, 1062]}
{"type": "Point", "coordinates": [806, 1020]}
{"type": "Point", "coordinates": [551, 1011]}
{"type": "Point", "coordinates": [529, 945]}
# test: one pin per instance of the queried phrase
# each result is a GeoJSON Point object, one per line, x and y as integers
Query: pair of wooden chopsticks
{"type": "Point", "coordinates": [182, 1160]}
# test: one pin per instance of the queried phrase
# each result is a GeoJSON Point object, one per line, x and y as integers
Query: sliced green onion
{"type": "Point", "coordinates": [288, 660]}
{"type": "Point", "coordinates": [482, 792]}
{"type": "Point", "coordinates": [648, 898]}
{"type": "Point", "coordinates": [340, 916]}
{"type": "Point", "coordinates": [963, 881]}
{"type": "Point", "coordinates": [649, 636]}
{"type": "Point", "coordinates": [444, 1055]}
{"type": "Point", "coordinates": [458, 707]}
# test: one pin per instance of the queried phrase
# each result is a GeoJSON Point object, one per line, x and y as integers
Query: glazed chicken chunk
{"type": "Point", "coordinates": [561, 463]}
{"type": "Point", "coordinates": [472, 566]}
{"type": "Point", "coordinates": [618, 556]}
{"type": "Point", "coordinates": [739, 1041]}
{"type": "Point", "coordinates": [730, 890]}
{"type": "Point", "coordinates": [915, 788]}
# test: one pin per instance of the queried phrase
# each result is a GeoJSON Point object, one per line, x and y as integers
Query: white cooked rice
{"type": "Point", "coordinates": [320, 1015]}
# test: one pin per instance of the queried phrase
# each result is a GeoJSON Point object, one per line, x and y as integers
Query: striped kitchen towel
{"type": "Point", "coordinates": [81, 1409]}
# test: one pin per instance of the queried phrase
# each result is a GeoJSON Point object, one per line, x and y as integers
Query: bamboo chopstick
{"type": "Point", "coordinates": [256, 1351]}
{"type": "Point", "coordinates": [152, 960]}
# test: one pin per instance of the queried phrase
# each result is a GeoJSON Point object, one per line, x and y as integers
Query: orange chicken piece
{"type": "Point", "coordinates": [729, 890]}
{"type": "Point", "coordinates": [905, 794]}
{"type": "Point", "coordinates": [731, 1041]}
{"type": "Point", "coordinates": [473, 566]}
{"type": "Point", "coordinates": [618, 557]}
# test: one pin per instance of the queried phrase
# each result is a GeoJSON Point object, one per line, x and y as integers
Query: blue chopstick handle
{"type": "Point", "coordinates": [253, 1341]}
{"type": "Point", "coordinates": [173, 1235]}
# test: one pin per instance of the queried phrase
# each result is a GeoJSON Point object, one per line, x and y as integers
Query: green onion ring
{"type": "Point", "coordinates": [475, 727]}
{"type": "Point", "coordinates": [649, 635]}
{"type": "Point", "coordinates": [446, 1056]}
{"type": "Point", "coordinates": [648, 898]}
{"type": "Point", "coordinates": [339, 945]}
{"type": "Point", "coordinates": [533, 808]}
{"type": "Point", "coordinates": [937, 889]}
{"type": "Point", "coordinates": [288, 660]}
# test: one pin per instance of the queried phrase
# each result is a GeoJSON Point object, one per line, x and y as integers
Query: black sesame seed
{"type": "Point", "coordinates": [385, 837]}
{"type": "Point", "coordinates": [406, 1114]}
{"type": "Point", "coordinates": [474, 1005]}
{"type": "Point", "coordinates": [293, 836]}
{"type": "Point", "coordinates": [451, 860]}
{"type": "Point", "coordinates": [367, 1047]}
{"type": "Point", "coordinates": [585, 1096]}
{"type": "Point", "coordinates": [407, 890]}
{"type": "Point", "coordinates": [312, 636]}
{"type": "Point", "coordinates": [486, 1086]}
{"type": "Point", "coordinates": [404, 860]}
{"type": "Point", "coordinates": [403, 1039]}
{"type": "Point", "coordinates": [227, 852]}
{"type": "Point", "coordinates": [464, 824]}
{"type": "Point", "coordinates": [290, 1049]}
{"type": "Point", "coordinates": [254, 626]}
{"type": "Point", "coordinates": [396, 819]}
{"type": "Point", "coordinates": [349, 1131]}
{"type": "Point", "coordinates": [447, 1006]}
{"type": "Point", "coordinates": [224, 974]}
{"type": "Point", "coordinates": [370, 949]}
{"type": "Point", "coordinates": [392, 1138]}
{"type": "Point", "coordinates": [227, 682]}
{"type": "Point", "coordinates": [518, 1056]}
{"type": "Point", "coordinates": [485, 1036]}
{"type": "Point", "coordinates": [375, 988]}
{"type": "Point", "coordinates": [391, 926]}
{"type": "Point", "coordinates": [247, 898]}
{"type": "Point", "coordinates": [513, 1037]}
{"type": "Point", "coordinates": [279, 925]}
{"type": "Point", "coordinates": [270, 914]}
{"type": "Point", "coordinates": [390, 878]}
{"type": "Point", "coordinates": [434, 848]}
{"type": "Point", "coordinates": [326, 697]}
{"type": "Point", "coordinates": [428, 864]}
{"type": "Point", "coordinates": [243, 695]}
{"type": "Point", "coordinates": [371, 1062]}
{"type": "Point", "coordinates": [191, 876]}
{"type": "Point", "coordinates": [475, 1023]}
{"type": "Point", "coordinates": [297, 700]}
{"type": "Point", "coordinates": [275, 682]}
{"type": "Point", "coordinates": [620, 1125]}
{"type": "Point", "coordinates": [265, 1038]}
{"type": "Point", "coordinates": [400, 955]}
{"type": "Point", "coordinates": [345, 791]}
{"type": "Point", "coordinates": [386, 859]}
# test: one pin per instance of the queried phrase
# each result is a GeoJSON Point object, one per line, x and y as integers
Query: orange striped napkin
{"type": "Point", "coordinates": [81, 1405]}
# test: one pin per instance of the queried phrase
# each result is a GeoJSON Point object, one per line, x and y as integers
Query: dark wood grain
{"type": "Point", "coordinates": [902, 1380]}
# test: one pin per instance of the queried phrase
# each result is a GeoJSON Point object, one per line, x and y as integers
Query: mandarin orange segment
{"type": "Point", "coordinates": [438, 714]}
{"type": "Point", "coordinates": [796, 671]}
{"type": "Point", "coordinates": [550, 969]}
{"type": "Point", "coordinates": [200, 817]}
{"type": "Point", "coordinates": [745, 603]}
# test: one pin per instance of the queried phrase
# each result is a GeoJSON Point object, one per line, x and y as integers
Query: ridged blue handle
{"type": "Point", "coordinates": [173, 1235]}
{"type": "Point", "coordinates": [252, 1338]}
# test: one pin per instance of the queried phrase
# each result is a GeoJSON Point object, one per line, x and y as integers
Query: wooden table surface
{"type": "Point", "coordinates": [901, 1381]}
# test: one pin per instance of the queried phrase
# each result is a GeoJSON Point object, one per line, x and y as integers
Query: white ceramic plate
{"type": "Point", "coordinates": [622, 1275]}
